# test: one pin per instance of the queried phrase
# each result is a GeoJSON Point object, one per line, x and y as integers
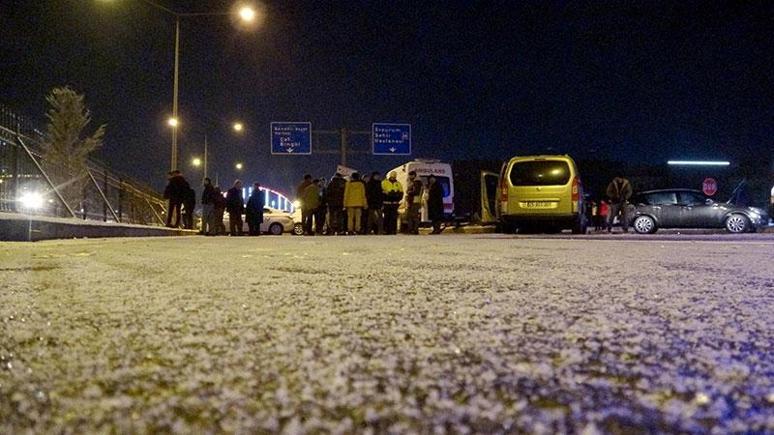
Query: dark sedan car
{"type": "Point", "coordinates": [687, 208]}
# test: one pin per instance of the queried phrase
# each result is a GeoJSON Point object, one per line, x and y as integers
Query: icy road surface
{"type": "Point", "coordinates": [387, 334]}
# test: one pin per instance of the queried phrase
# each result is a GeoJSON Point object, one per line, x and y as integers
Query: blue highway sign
{"type": "Point", "coordinates": [291, 138]}
{"type": "Point", "coordinates": [391, 139]}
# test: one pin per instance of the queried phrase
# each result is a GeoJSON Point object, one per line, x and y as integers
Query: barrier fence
{"type": "Point", "coordinates": [32, 186]}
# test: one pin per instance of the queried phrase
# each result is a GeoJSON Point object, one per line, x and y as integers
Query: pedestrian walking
{"type": "Point", "coordinates": [208, 208]}
{"type": "Point", "coordinates": [619, 191]}
{"type": "Point", "coordinates": [375, 199]}
{"type": "Point", "coordinates": [392, 192]}
{"type": "Point", "coordinates": [435, 203]}
{"type": "Point", "coordinates": [189, 207]}
{"type": "Point", "coordinates": [334, 197]}
{"type": "Point", "coordinates": [235, 205]}
{"type": "Point", "coordinates": [413, 203]}
{"type": "Point", "coordinates": [254, 210]}
{"type": "Point", "coordinates": [354, 202]}
{"type": "Point", "coordinates": [310, 201]}
{"type": "Point", "coordinates": [175, 192]}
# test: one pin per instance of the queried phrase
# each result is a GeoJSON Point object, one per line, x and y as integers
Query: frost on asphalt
{"type": "Point", "coordinates": [471, 334]}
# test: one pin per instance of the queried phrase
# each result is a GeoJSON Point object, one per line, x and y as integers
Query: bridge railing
{"type": "Point", "coordinates": [97, 193]}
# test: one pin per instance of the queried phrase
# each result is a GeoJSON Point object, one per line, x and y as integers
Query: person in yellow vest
{"type": "Point", "coordinates": [354, 203]}
{"type": "Point", "coordinates": [393, 193]}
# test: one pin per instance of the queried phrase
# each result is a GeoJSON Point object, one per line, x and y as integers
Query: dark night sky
{"type": "Point", "coordinates": [623, 80]}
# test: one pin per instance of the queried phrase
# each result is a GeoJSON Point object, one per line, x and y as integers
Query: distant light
{"type": "Point", "coordinates": [238, 126]}
{"type": "Point", "coordinates": [296, 203]}
{"type": "Point", "coordinates": [698, 163]}
{"type": "Point", "coordinates": [173, 122]}
{"type": "Point", "coordinates": [239, 166]}
{"type": "Point", "coordinates": [32, 200]}
{"type": "Point", "coordinates": [247, 14]}
{"type": "Point", "coordinates": [196, 162]}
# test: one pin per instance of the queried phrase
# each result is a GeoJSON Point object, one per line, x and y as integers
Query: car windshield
{"type": "Point", "coordinates": [540, 173]}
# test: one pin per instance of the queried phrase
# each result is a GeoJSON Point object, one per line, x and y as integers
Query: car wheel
{"type": "Point", "coordinates": [275, 229]}
{"type": "Point", "coordinates": [580, 226]}
{"type": "Point", "coordinates": [298, 230]}
{"type": "Point", "coordinates": [644, 224]}
{"type": "Point", "coordinates": [737, 223]}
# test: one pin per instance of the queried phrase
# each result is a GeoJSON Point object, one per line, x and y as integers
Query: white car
{"type": "Point", "coordinates": [275, 222]}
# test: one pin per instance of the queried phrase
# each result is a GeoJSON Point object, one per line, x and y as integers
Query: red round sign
{"type": "Point", "coordinates": [709, 186]}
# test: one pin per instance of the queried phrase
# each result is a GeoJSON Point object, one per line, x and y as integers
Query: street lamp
{"type": "Point", "coordinates": [196, 162]}
{"type": "Point", "coordinates": [245, 13]}
{"type": "Point", "coordinates": [238, 127]}
{"type": "Point", "coordinates": [239, 166]}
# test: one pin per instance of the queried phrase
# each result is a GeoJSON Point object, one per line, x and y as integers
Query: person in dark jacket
{"type": "Point", "coordinates": [254, 210]}
{"type": "Point", "coordinates": [435, 203]}
{"type": "Point", "coordinates": [219, 207]}
{"type": "Point", "coordinates": [189, 206]}
{"type": "Point", "coordinates": [413, 203]}
{"type": "Point", "coordinates": [208, 208]}
{"type": "Point", "coordinates": [175, 192]}
{"type": "Point", "coordinates": [375, 199]}
{"type": "Point", "coordinates": [619, 191]}
{"type": "Point", "coordinates": [334, 197]}
{"type": "Point", "coordinates": [235, 205]}
{"type": "Point", "coordinates": [302, 186]}
{"type": "Point", "coordinates": [322, 209]}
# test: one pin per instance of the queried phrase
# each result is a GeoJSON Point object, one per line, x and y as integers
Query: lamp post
{"type": "Point", "coordinates": [245, 13]}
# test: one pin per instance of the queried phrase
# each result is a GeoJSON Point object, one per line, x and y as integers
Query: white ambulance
{"type": "Point", "coordinates": [424, 167]}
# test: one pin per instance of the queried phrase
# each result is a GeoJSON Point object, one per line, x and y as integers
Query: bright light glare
{"type": "Point", "coordinates": [196, 162]}
{"type": "Point", "coordinates": [238, 126]}
{"type": "Point", "coordinates": [239, 166]}
{"type": "Point", "coordinates": [247, 14]}
{"type": "Point", "coordinates": [296, 204]}
{"type": "Point", "coordinates": [698, 162]}
{"type": "Point", "coordinates": [32, 200]}
{"type": "Point", "coordinates": [173, 122]}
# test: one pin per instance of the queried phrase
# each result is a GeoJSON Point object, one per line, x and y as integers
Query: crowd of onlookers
{"type": "Point", "coordinates": [367, 205]}
{"type": "Point", "coordinates": [358, 205]}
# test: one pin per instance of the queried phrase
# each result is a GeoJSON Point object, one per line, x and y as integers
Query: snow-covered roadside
{"type": "Point", "coordinates": [400, 334]}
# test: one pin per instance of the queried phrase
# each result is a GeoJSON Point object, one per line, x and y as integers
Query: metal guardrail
{"type": "Point", "coordinates": [100, 194]}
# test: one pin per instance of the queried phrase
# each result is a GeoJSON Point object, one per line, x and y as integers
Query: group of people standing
{"type": "Point", "coordinates": [604, 212]}
{"type": "Point", "coordinates": [182, 201]}
{"type": "Point", "coordinates": [358, 206]}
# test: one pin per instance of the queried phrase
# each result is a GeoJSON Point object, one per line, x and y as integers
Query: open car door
{"type": "Point", "coordinates": [489, 182]}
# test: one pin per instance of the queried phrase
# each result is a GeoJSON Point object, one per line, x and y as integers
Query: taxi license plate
{"type": "Point", "coordinates": [537, 204]}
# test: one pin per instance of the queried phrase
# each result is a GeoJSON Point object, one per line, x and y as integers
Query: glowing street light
{"type": "Point", "coordinates": [238, 127]}
{"type": "Point", "coordinates": [239, 166]}
{"type": "Point", "coordinates": [247, 14]}
{"type": "Point", "coordinates": [196, 162]}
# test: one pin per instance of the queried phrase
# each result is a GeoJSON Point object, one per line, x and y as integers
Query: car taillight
{"type": "Point", "coordinates": [503, 190]}
{"type": "Point", "coordinates": [576, 188]}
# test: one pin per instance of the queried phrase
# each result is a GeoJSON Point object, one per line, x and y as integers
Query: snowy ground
{"type": "Point", "coordinates": [387, 334]}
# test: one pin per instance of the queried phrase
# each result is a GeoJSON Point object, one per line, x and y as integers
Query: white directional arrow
{"type": "Point", "coordinates": [393, 149]}
{"type": "Point", "coordinates": [290, 149]}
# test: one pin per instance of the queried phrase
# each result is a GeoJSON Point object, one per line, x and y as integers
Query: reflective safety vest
{"type": "Point", "coordinates": [393, 191]}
